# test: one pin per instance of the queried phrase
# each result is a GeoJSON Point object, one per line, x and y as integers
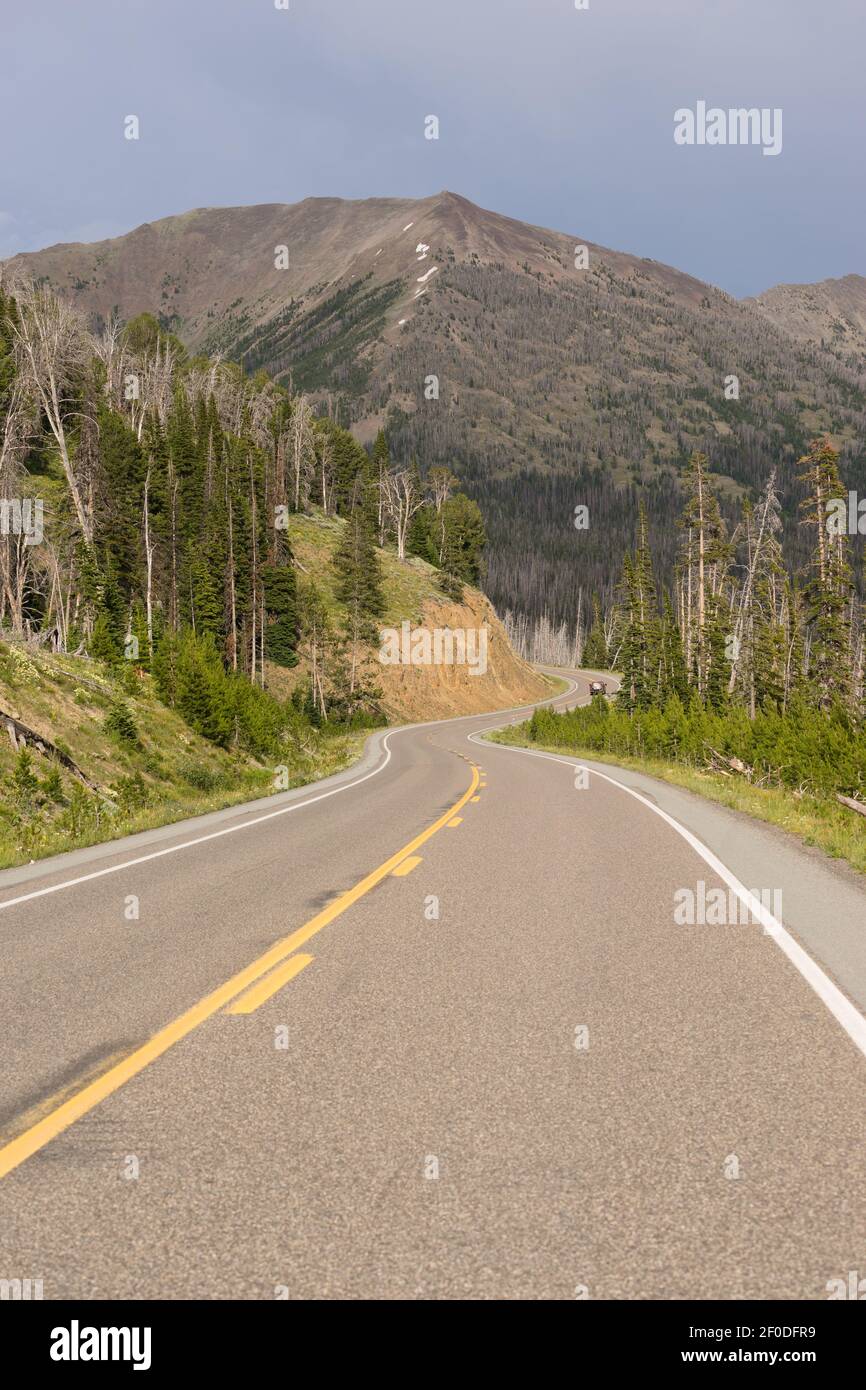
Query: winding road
{"type": "Point", "coordinates": [431, 1029]}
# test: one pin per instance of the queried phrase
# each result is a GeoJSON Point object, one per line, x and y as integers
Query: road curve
{"type": "Point", "coordinates": [430, 1029]}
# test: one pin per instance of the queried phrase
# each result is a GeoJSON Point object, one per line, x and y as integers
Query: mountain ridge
{"type": "Point", "coordinates": [162, 224]}
{"type": "Point", "coordinates": [477, 341]}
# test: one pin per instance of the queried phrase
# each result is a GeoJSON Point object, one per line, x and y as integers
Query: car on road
{"type": "Point", "coordinates": [598, 687]}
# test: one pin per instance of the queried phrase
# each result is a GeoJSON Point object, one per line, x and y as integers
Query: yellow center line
{"type": "Point", "coordinates": [40, 1134]}
{"type": "Point", "coordinates": [407, 866]}
{"type": "Point", "coordinates": [250, 1000]}
{"type": "Point", "coordinates": [457, 820]}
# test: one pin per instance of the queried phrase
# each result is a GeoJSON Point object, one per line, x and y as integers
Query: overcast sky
{"type": "Point", "coordinates": [560, 117]}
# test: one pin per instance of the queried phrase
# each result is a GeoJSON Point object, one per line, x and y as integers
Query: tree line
{"type": "Point", "coordinates": [740, 662]}
{"type": "Point", "coordinates": [738, 626]}
{"type": "Point", "coordinates": [165, 484]}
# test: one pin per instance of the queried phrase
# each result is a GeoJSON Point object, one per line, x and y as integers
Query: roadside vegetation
{"type": "Point", "coordinates": [103, 756]}
{"type": "Point", "coordinates": [673, 746]}
{"type": "Point", "coordinates": [162, 648]}
{"type": "Point", "coordinates": [746, 682]}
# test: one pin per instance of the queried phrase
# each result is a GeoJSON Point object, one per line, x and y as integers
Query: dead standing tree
{"type": "Point", "coordinates": [53, 350]}
{"type": "Point", "coordinates": [15, 547]}
{"type": "Point", "coordinates": [403, 498]}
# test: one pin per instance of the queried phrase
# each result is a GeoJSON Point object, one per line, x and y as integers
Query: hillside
{"type": "Point", "coordinates": [557, 385]}
{"type": "Point", "coordinates": [88, 781]}
{"type": "Point", "coordinates": [831, 313]}
{"type": "Point", "coordinates": [413, 593]}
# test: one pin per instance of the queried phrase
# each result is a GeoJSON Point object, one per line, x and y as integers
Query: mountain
{"type": "Point", "coordinates": [556, 385]}
{"type": "Point", "coordinates": [831, 313]}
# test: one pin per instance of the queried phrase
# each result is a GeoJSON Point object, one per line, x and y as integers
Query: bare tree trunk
{"type": "Point", "coordinates": [148, 554]}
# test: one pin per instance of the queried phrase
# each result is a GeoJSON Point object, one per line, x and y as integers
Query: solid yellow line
{"type": "Point", "coordinates": [457, 820]}
{"type": "Point", "coordinates": [35, 1138]}
{"type": "Point", "coordinates": [252, 998]}
{"type": "Point", "coordinates": [407, 866]}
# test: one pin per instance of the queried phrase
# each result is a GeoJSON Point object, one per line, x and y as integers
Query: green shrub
{"type": "Point", "coordinates": [132, 793]}
{"type": "Point", "coordinates": [801, 748]}
{"type": "Point", "coordinates": [204, 779]}
{"type": "Point", "coordinates": [120, 723]}
{"type": "Point", "coordinates": [52, 786]}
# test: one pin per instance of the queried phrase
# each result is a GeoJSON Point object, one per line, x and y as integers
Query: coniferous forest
{"type": "Point", "coordinates": [147, 495]}
{"type": "Point", "coordinates": [154, 491]}
{"type": "Point", "coordinates": [741, 666]}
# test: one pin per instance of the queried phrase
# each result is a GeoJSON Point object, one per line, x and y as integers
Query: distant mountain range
{"type": "Point", "coordinates": [557, 385]}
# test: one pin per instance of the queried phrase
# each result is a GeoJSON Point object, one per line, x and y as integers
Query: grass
{"type": "Point", "coordinates": [557, 684]}
{"type": "Point", "coordinates": [816, 821]}
{"type": "Point", "coordinates": [161, 771]}
{"type": "Point", "coordinates": [166, 773]}
{"type": "Point", "coordinates": [406, 584]}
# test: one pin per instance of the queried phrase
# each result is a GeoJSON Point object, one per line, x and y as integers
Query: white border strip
{"type": "Point", "coordinates": [839, 1005]}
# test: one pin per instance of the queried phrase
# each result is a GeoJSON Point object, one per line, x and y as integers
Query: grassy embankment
{"type": "Point", "coordinates": [165, 771]}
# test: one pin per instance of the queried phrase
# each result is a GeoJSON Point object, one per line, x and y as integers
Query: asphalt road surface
{"type": "Point", "coordinates": [432, 1029]}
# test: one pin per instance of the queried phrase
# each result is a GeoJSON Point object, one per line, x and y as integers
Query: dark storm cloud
{"type": "Point", "coordinates": [557, 116]}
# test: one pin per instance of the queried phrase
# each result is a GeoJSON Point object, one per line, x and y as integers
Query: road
{"type": "Point", "coordinates": [431, 1030]}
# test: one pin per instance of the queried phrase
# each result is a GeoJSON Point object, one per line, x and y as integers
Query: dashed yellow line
{"type": "Point", "coordinates": [407, 866]}
{"type": "Point", "coordinates": [66, 1114]}
{"type": "Point", "coordinates": [455, 820]}
{"type": "Point", "coordinates": [252, 998]}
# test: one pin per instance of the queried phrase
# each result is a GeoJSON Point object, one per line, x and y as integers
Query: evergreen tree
{"type": "Point", "coordinates": [463, 538]}
{"type": "Point", "coordinates": [595, 655]}
{"type": "Point", "coordinates": [673, 678]}
{"type": "Point", "coordinates": [205, 599]}
{"type": "Point", "coordinates": [281, 606]}
{"type": "Point", "coordinates": [359, 585]}
{"type": "Point", "coordinates": [829, 589]}
{"type": "Point", "coordinates": [703, 557]}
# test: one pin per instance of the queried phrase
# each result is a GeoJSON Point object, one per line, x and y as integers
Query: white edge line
{"type": "Point", "coordinates": [199, 840]}
{"type": "Point", "coordinates": [257, 820]}
{"type": "Point", "coordinates": [845, 1013]}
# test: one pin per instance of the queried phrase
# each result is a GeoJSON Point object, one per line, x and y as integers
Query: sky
{"type": "Point", "coordinates": [559, 116]}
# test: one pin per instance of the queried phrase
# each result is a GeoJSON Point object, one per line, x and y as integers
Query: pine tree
{"type": "Point", "coordinates": [595, 654]}
{"type": "Point", "coordinates": [758, 657]}
{"type": "Point", "coordinates": [463, 538]}
{"type": "Point", "coordinates": [629, 662]}
{"type": "Point", "coordinates": [281, 607]}
{"type": "Point", "coordinates": [703, 559]}
{"type": "Point", "coordinates": [716, 642]}
{"type": "Point", "coordinates": [205, 599]}
{"type": "Point", "coordinates": [359, 584]}
{"type": "Point", "coordinates": [829, 589]}
{"type": "Point", "coordinates": [381, 464]}
{"type": "Point", "coordinates": [673, 678]}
